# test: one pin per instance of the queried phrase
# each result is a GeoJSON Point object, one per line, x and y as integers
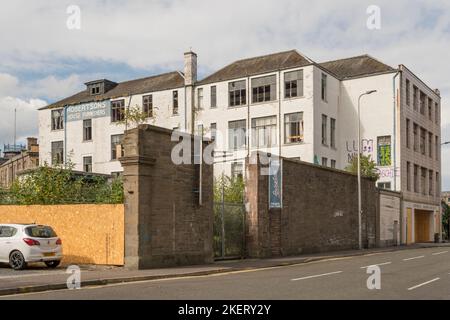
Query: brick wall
{"type": "Point", "coordinates": [164, 224]}
{"type": "Point", "coordinates": [320, 211]}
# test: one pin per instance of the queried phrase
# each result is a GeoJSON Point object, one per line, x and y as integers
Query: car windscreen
{"type": "Point", "coordinates": [40, 232]}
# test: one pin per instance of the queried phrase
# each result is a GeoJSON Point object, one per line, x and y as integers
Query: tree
{"type": "Point", "coordinates": [446, 219]}
{"type": "Point", "coordinates": [232, 187]}
{"type": "Point", "coordinates": [368, 167]}
{"type": "Point", "coordinates": [133, 117]}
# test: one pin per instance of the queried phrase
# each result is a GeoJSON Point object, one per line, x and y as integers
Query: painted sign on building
{"type": "Point", "coordinates": [275, 184]}
{"type": "Point", "coordinates": [89, 110]}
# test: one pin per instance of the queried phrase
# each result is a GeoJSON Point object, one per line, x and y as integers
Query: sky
{"type": "Point", "coordinates": [44, 58]}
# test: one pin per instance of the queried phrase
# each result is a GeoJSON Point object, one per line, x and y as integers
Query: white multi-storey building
{"type": "Point", "coordinates": [283, 103]}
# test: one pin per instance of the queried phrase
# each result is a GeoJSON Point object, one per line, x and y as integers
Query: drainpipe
{"type": "Point", "coordinates": [279, 115]}
{"type": "Point", "coordinates": [65, 137]}
{"type": "Point", "coordinates": [395, 126]}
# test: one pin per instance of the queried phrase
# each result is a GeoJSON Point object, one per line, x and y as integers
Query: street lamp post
{"type": "Point", "coordinates": [359, 169]}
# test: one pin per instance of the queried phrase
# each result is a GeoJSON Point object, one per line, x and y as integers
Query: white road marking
{"type": "Point", "coordinates": [316, 276]}
{"type": "Point", "coordinates": [438, 253]}
{"type": "Point", "coordinates": [413, 258]}
{"type": "Point", "coordinates": [423, 284]}
{"type": "Point", "coordinates": [32, 275]}
{"type": "Point", "coordinates": [377, 264]}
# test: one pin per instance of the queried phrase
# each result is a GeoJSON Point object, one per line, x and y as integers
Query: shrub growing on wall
{"type": "Point", "coordinates": [60, 185]}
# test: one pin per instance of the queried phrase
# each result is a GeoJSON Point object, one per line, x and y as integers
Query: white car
{"type": "Point", "coordinates": [24, 243]}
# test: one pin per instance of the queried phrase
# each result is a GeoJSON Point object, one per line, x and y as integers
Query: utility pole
{"type": "Point", "coordinates": [15, 126]}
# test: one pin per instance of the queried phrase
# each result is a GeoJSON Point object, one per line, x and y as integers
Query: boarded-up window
{"type": "Point", "coordinates": [384, 151]}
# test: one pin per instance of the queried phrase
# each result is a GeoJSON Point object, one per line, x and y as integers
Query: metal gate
{"type": "Point", "coordinates": [229, 226]}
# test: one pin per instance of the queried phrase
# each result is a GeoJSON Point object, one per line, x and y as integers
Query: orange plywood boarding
{"type": "Point", "coordinates": [91, 234]}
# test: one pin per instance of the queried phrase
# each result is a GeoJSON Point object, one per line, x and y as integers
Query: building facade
{"type": "Point", "coordinates": [284, 104]}
{"type": "Point", "coordinates": [18, 160]}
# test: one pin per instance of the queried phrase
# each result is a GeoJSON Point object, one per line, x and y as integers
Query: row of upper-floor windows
{"type": "Point", "coordinates": [262, 89]}
{"type": "Point", "coordinates": [423, 141]}
{"type": "Point", "coordinates": [57, 152]}
{"type": "Point", "coordinates": [118, 110]}
{"type": "Point", "coordinates": [422, 180]}
{"type": "Point", "coordinates": [264, 131]}
{"type": "Point", "coordinates": [421, 102]}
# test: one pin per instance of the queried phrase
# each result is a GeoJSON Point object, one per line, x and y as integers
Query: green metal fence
{"type": "Point", "coordinates": [229, 230]}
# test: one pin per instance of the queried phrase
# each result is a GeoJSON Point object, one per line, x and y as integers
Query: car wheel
{"type": "Point", "coordinates": [52, 264]}
{"type": "Point", "coordinates": [17, 261]}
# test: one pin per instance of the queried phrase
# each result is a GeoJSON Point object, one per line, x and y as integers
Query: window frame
{"type": "Point", "coordinates": [147, 105]}
{"type": "Point", "coordinates": [56, 126]}
{"type": "Point", "coordinates": [114, 146]}
{"type": "Point", "coordinates": [89, 170]}
{"type": "Point", "coordinates": [287, 127]}
{"type": "Point", "coordinates": [117, 110]}
{"type": "Point", "coordinates": [55, 159]}
{"type": "Point", "coordinates": [87, 130]}
{"type": "Point", "coordinates": [175, 102]}
{"type": "Point", "coordinates": [237, 96]}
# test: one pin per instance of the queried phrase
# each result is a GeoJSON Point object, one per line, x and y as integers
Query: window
{"type": "Point", "coordinates": [430, 109]}
{"type": "Point", "coordinates": [213, 127]}
{"type": "Point", "coordinates": [200, 98]}
{"type": "Point", "coordinates": [213, 97]}
{"type": "Point", "coordinates": [237, 170]}
{"type": "Point", "coordinates": [430, 183]}
{"type": "Point", "coordinates": [58, 119]}
{"type": "Point", "coordinates": [333, 164]}
{"type": "Point", "coordinates": [237, 134]}
{"type": "Point", "coordinates": [264, 132]}
{"type": "Point", "coordinates": [408, 176]}
{"type": "Point", "coordinates": [436, 147]}
{"type": "Point", "coordinates": [116, 146]}
{"type": "Point", "coordinates": [57, 152]}
{"type": "Point", "coordinates": [87, 164]}
{"type": "Point", "coordinates": [175, 102]}
{"type": "Point", "coordinates": [324, 129]}
{"type": "Point", "coordinates": [423, 180]}
{"type": "Point", "coordinates": [324, 162]}
{"type": "Point", "coordinates": [430, 145]}
{"type": "Point", "coordinates": [293, 127]}
{"type": "Point", "coordinates": [408, 133]}
{"type": "Point", "coordinates": [408, 92]}
{"type": "Point", "coordinates": [436, 112]}
{"type": "Point", "coordinates": [333, 133]}
{"type": "Point", "coordinates": [87, 130]}
{"type": "Point", "coordinates": [416, 139]}
{"type": "Point", "coordinates": [147, 105]}
{"type": "Point", "coordinates": [293, 84]}
{"type": "Point", "coordinates": [423, 134]}
{"type": "Point", "coordinates": [7, 232]}
{"type": "Point", "coordinates": [264, 89]}
{"type": "Point", "coordinates": [324, 87]}
{"type": "Point", "coordinates": [117, 110]}
{"type": "Point", "coordinates": [415, 97]}
{"type": "Point", "coordinates": [384, 185]}
{"type": "Point", "coordinates": [95, 89]}
{"type": "Point", "coordinates": [237, 93]}
{"type": "Point", "coordinates": [438, 185]}
{"type": "Point", "coordinates": [416, 178]}
{"type": "Point", "coordinates": [384, 151]}
{"type": "Point", "coordinates": [423, 99]}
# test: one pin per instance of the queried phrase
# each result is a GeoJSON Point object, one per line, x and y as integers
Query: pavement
{"type": "Point", "coordinates": [41, 283]}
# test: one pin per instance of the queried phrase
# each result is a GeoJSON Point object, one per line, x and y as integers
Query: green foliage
{"type": "Point", "coordinates": [445, 219]}
{"type": "Point", "coordinates": [233, 189]}
{"type": "Point", "coordinates": [59, 185]}
{"type": "Point", "coordinates": [133, 116]}
{"type": "Point", "coordinates": [368, 167]}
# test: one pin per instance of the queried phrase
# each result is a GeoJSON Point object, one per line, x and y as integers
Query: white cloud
{"type": "Point", "coordinates": [26, 118]}
{"type": "Point", "coordinates": [55, 88]}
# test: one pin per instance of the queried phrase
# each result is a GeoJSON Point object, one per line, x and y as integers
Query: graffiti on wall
{"type": "Point", "coordinates": [352, 149]}
{"type": "Point", "coordinates": [388, 172]}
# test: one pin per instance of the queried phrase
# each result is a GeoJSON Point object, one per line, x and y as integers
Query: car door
{"type": "Point", "coordinates": [6, 242]}
{"type": "Point", "coordinates": [3, 244]}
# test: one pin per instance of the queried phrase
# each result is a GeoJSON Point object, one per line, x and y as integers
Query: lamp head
{"type": "Point", "coordinates": [371, 91]}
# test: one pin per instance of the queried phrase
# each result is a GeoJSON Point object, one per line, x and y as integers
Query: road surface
{"type": "Point", "coordinates": [405, 274]}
